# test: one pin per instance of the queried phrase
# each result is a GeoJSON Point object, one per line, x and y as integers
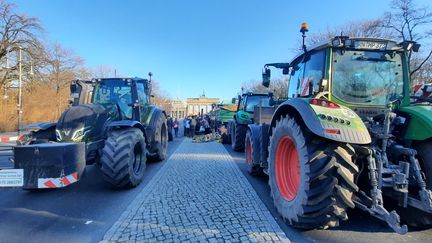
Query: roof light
{"type": "Point", "coordinates": [304, 27]}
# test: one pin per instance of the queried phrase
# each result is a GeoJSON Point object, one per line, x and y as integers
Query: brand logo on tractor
{"type": "Point", "coordinates": [67, 132]}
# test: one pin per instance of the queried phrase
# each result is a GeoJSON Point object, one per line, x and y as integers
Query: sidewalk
{"type": "Point", "coordinates": [198, 195]}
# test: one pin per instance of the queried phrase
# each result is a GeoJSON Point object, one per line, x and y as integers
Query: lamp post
{"type": "Point", "coordinates": [20, 91]}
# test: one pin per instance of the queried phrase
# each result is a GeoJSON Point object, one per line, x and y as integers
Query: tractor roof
{"type": "Point", "coordinates": [362, 43]}
{"type": "Point", "coordinates": [136, 79]}
{"type": "Point", "coordinates": [252, 93]}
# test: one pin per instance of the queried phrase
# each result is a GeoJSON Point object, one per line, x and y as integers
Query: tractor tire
{"type": "Point", "coordinates": [226, 139]}
{"type": "Point", "coordinates": [238, 137]}
{"type": "Point", "coordinates": [412, 216]}
{"type": "Point", "coordinates": [170, 136]}
{"type": "Point", "coordinates": [231, 130]}
{"type": "Point", "coordinates": [160, 144]}
{"type": "Point", "coordinates": [252, 154]}
{"type": "Point", "coordinates": [311, 178]}
{"type": "Point", "coordinates": [123, 158]}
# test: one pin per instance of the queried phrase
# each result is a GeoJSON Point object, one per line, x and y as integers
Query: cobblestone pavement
{"type": "Point", "coordinates": [199, 195]}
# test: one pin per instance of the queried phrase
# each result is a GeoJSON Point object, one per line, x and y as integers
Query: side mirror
{"type": "Point", "coordinates": [285, 71]}
{"type": "Point", "coordinates": [233, 100]}
{"type": "Point", "coordinates": [266, 77]}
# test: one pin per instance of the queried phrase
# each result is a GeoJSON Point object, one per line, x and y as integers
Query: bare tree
{"type": "Point", "coordinates": [17, 30]}
{"type": "Point", "coordinates": [279, 87]}
{"type": "Point", "coordinates": [410, 23]}
{"type": "Point", "coordinates": [105, 71]}
{"type": "Point", "coordinates": [62, 65]}
{"type": "Point", "coordinates": [365, 28]}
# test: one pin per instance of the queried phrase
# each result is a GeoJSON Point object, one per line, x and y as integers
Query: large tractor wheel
{"type": "Point", "coordinates": [311, 179]}
{"type": "Point", "coordinates": [123, 158]}
{"type": "Point", "coordinates": [160, 144]}
{"type": "Point", "coordinates": [252, 154]}
{"type": "Point", "coordinates": [238, 137]}
{"type": "Point", "coordinates": [410, 215]}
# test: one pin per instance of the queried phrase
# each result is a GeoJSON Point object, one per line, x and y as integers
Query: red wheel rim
{"type": "Point", "coordinates": [287, 168]}
{"type": "Point", "coordinates": [248, 152]}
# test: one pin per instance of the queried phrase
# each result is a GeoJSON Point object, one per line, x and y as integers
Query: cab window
{"type": "Point", "coordinates": [313, 73]}
{"type": "Point", "coordinates": [142, 97]}
{"type": "Point", "coordinates": [296, 76]}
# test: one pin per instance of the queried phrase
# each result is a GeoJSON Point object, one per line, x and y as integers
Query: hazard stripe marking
{"type": "Point", "coordinates": [58, 182]}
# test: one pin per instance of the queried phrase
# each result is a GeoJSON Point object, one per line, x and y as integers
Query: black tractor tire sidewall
{"type": "Point", "coordinates": [254, 167]}
{"type": "Point", "coordinates": [239, 137]}
{"type": "Point", "coordinates": [414, 217]}
{"type": "Point", "coordinates": [160, 139]}
{"type": "Point", "coordinates": [424, 151]}
{"type": "Point", "coordinates": [118, 157]}
{"type": "Point", "coordinates": [232, 131]}
{"type": "Point", "coordinates": [294, 211]}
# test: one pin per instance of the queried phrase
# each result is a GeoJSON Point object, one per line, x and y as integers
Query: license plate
{"type": "Point", "coordinates": [12, 178]}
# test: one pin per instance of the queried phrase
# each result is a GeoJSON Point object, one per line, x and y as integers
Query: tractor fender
{"type": "Point", "coordinates": [128, 123]}
{"type": "Point", "coordinates": [419, 124]}
{"type": "Point", "coordinates": [321, 121]}
{"type": "Point", "coordinates": [34, 127]}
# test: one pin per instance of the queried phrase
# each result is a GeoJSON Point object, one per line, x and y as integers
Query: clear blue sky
{"type": "Point", "coordinates": [191, 46]}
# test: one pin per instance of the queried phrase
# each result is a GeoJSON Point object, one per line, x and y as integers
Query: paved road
{"type": "Point", "coordinates": [359, 228]}
{"type": "Point", "coordinates": [199, 195]}
{"type": "Point", "coordinates": [82, 212]}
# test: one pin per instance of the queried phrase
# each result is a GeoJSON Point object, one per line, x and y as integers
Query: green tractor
{"type": "Point", "coordinates": [243, 116]}
{"type": "Point", "coordinates": [110, 122]}
{"type": "Point", "coordinates": [350, 135]}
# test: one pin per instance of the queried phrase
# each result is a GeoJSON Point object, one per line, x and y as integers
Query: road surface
{"type": "Point", "coordinates": [82, 212]}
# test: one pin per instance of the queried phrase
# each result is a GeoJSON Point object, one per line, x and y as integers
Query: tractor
{"type": "Point", "coordinates": [223, 114]}
{"type": "Point", "coordinates": [110, 122]}
{"type": "Point", "coordinates": [243, 116]}
{"type": "Point", "coordinates": [349, 135]}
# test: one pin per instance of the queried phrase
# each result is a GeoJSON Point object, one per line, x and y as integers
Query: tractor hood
{"type": "Point", "coordinates": [84, 123]}
{"type": "Point", "coordinates": [420, 122]}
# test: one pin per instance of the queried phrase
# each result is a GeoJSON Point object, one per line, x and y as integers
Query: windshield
{"type": "Point", "coordinates": [252, 101]}
{"type": "Point", "coordinates": [114, 92]}
{"type": "Point", "coordinates": [367, 77]}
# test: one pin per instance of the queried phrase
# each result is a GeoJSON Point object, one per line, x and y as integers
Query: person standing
{"type": "Point", "coordinates": [187, 127]}
{"type": "Point", "coordinates": [176, 127]}
{"type": "Point", "coordinates": [193, 124]}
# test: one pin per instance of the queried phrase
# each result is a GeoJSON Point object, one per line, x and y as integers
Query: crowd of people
{"type": "Point", "coordinates": [192, 125]}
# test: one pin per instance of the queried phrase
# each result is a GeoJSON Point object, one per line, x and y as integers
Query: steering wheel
{"type": "Point", "coordinates": [322, 95]}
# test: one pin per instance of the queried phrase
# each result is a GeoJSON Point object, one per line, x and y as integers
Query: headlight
{"type": "Point", "coordinates": [58, 135]}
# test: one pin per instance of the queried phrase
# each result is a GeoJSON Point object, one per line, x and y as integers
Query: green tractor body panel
{"type": "Point", "coordinates": [244, 117]}
{"type": "Point", "coordinates": [147, 115]}
{"type": "Point", "coordinates": [338, 123]}
{"type": "Point", "coordinates": [419, 123]}
{"type": "Point", "coordinates": [224, 116]}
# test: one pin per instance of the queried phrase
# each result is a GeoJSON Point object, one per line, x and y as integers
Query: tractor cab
{"type": "Point", "coordinates": [364, 74]}
{"type": "Point", "coordinates": [249, 100]}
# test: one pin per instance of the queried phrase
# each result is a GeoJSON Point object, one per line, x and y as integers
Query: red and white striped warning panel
{"type": "Point", "coordinates": [58, 182]}
{"type": "Point", "coordinates": [9, 139]}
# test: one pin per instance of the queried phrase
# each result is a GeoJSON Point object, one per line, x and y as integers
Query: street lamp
{"type": "Point", "coordinates": [20, 76]}
{"type": "Point", "coordinates": [20, 91]}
